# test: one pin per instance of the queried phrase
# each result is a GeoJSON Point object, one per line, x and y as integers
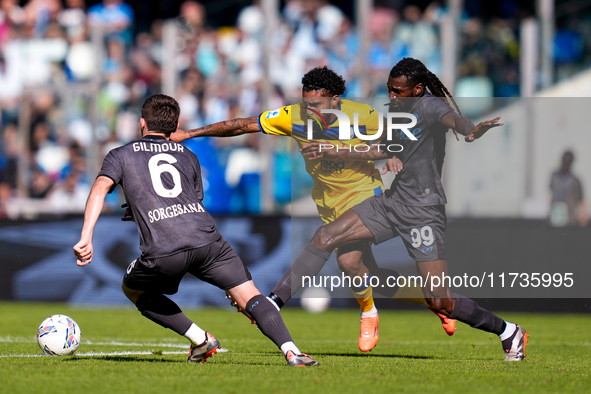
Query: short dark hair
{"type": "Point", "coordinates": [323, 78]}
{"type": "Point", "coordinates": [161, 113]}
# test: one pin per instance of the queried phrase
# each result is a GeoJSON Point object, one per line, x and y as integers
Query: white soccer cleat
{"type": "Point", "coordinates": [514, 346]}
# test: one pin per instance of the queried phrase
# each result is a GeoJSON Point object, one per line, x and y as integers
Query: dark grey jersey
{"type": "Point", "coordinates": [419, 183]}
{"type": "Point", "coordinates": [162, 184]}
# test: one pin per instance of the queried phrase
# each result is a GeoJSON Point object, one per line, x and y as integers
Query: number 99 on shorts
{"type": "Point", "coordinates": [423, 236]}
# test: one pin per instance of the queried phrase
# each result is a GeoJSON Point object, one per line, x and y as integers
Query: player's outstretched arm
{"type": "Point", "coordinates": [227, 128]}
{"type": "Point", "coordinates": [325, 150]}
{"type": "Point", "coordinates": [467, 128]}
{"type": "Point", "coordinates": [94, 205]}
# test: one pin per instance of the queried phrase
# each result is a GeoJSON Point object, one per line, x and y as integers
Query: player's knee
{"type": "Point", "coordinates": [324, 238]}
{"type": "Point", "coordinates": [133, 295]}
{"type": "Point", "coordinates": [243, 292]}
{"type": "Point", "coordinates": [344, 266]}
{"type": "Point", "coordinates": [350, 267]}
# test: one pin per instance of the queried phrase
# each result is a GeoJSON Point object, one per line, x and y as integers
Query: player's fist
{"type": "Point", "coordinates": [127, 215]}
{"type": "Point", "coordinates": [83, 251]}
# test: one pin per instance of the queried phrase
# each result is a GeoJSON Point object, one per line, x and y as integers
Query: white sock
{"type": "Point", "coordinates": [274, 304]}
{"type": "Point", "coordinates": [509, 330]}
{"type": "Point", "coordinates": [372, 313]}
{"type": "Point", "coordinates": [195, 334]}
{"type": "Point", "coordinates": [287, 346]}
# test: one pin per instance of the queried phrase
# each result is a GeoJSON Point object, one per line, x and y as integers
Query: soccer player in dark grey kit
{"type": "Point", "coordinates": [413, 208]}
{"type": "Point", "coordinates": [162, 184]}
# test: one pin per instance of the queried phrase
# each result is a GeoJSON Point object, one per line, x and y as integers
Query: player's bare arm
{"type": "Point", "coordinates": [94, 206]}
{"type": "Point", "coordinates": [467, 128]}
{"type": "Point", "coordinates": [322, 150]}
{"type": "Point", "coordinates": [325, 150]}
{"type": "Point", "coordinates": [227, 128]}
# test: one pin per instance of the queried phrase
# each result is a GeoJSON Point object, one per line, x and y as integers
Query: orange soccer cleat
{"type": "Point", "coordinates": [449, 325]}
{"type": "Point", "coordinates": [369, 336]}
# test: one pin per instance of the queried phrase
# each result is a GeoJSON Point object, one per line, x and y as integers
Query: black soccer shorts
{"type": "Point", "coordinates": [216, 263]}
{"type": "Point", "coordinates": [421, 227]}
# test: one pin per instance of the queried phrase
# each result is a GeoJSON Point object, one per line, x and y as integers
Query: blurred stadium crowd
{"type": "Point", "coordinates": [47, 71]}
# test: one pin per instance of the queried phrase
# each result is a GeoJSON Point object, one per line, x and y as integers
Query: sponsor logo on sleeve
{"type": "Point", "coordinates": [272, 114]}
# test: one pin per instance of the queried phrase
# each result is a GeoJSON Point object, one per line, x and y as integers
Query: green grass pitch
{"type": "Point", "coordinates": [414, 355]}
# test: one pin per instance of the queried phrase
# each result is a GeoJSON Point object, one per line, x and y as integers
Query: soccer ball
{"type": "Point", "coordinates": [315, 299]}
{"type": "Point", "coordinates": [58, 335]}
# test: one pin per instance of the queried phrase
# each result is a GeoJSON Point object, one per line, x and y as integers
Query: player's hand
{"type": "Point", "coordinates": [394, 165]}
{"type": "Point", "coordinates": [127, 215]}
{"type": "Point", "coordinates": [179, 136]}
{"type": "Point", "coordinates": [319, 150]}
{"type": "Point", "coordinates": [83, 251]}
{"type": "Point", "coordinates": [481, 128]}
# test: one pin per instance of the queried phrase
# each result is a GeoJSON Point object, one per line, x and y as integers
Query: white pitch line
{"type": "Point", "coordinates": [100, 354]}
{"type": "Point", "coordinates": [101, 343]}
{"type": "Point", "coordinates": [117, 343]}
{"type": "Point", "coordinates": [18, 339]}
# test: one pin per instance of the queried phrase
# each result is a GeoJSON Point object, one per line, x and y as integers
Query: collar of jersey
{"type": "Point", "coordinates": [153, 137]}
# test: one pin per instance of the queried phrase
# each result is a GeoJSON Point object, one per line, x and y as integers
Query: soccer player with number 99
{"type": "Point", "coordinates": [414, 206]}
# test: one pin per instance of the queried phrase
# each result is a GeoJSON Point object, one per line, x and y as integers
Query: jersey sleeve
{"type": "Point", "coordinates": [436, 109]}
{"type": "Point", "coordinates": [198, 180]}
{"type": "Point", "coordinates": [372, 121]}
{"type": "Point", "coordinates": [277, 122]}
{"type": "Point", "coordinates": [112, 168]}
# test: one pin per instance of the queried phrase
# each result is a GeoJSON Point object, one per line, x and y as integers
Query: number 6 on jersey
{"type": "Point", "coordinates": [156, 171]}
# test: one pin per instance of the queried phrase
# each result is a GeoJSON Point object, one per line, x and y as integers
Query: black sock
{"type": "Point", "coordinates": [281, 293]}
{"type": "Point", "coordinates": [308, 263]}
{"type": "Point", "coordinates": [471, 313]}
{"type": "Point", "coordinates": [162, 310]}
{"type": "Point", "coordinates": [386, 290]}
{"type": "Point", "coordinates": [268, 319]}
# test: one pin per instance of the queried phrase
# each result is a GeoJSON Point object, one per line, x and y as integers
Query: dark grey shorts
{"type": "Point", "coordinates": [421, 228]}
{"type": "Point", "coordinates": [216, 263]}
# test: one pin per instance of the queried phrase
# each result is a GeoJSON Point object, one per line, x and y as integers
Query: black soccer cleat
{"type": "Point", "coordinates": [200, 353]}
{"type": "Point", "coordinates": [300, 360]}
{"type": "Point", "coordinates": [514, 346]}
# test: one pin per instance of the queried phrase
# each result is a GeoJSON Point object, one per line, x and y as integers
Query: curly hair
{"type": "Point", "coordinates": [322, 78]}
{"type": "Point", "coordinates": [415, 72]}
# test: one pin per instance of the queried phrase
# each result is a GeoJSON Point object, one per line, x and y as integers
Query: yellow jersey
{"type": "Point", "coordinates": [338, 184]}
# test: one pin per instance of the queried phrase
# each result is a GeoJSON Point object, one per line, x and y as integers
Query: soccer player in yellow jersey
{"type": "Point", "coordinates": [338, 186]}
